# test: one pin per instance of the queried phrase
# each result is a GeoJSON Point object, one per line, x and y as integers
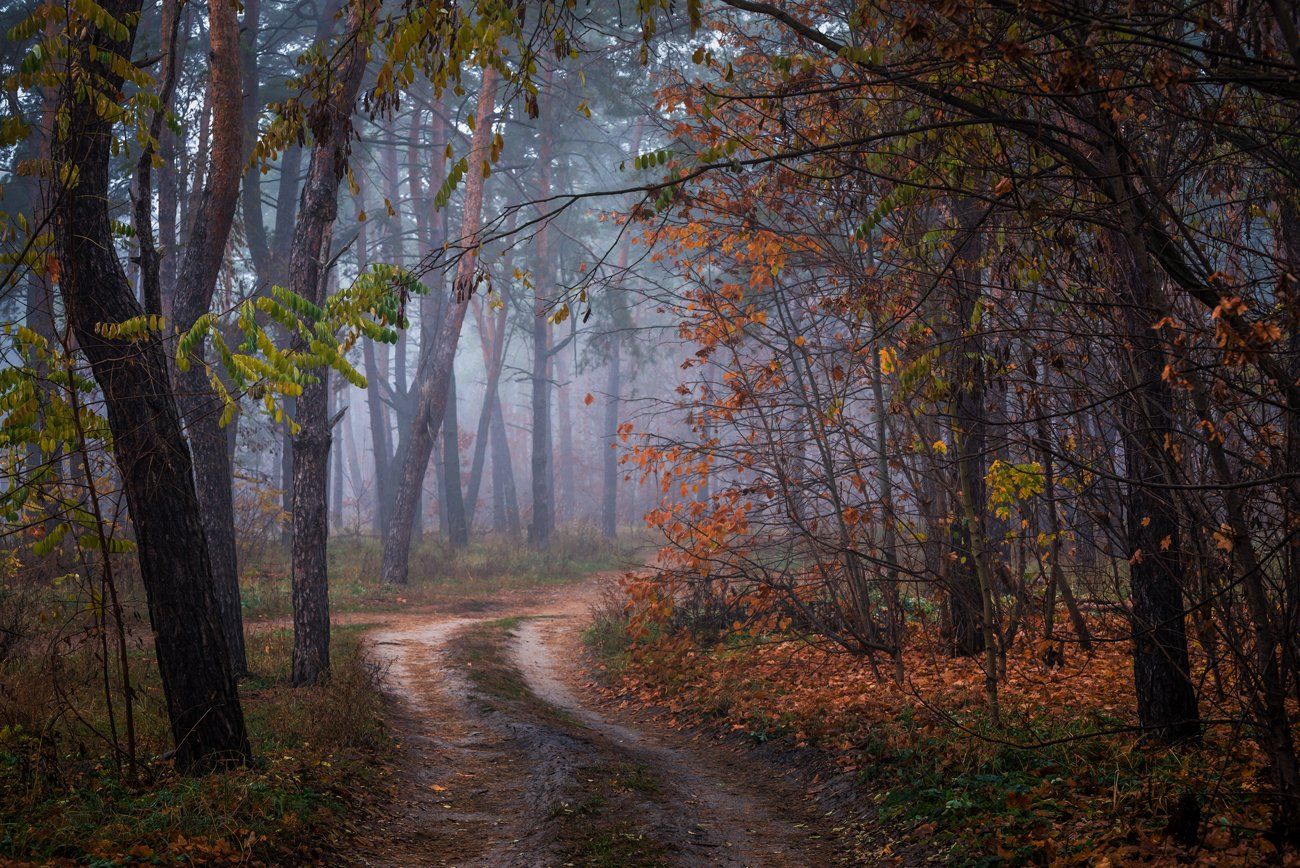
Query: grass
{"type": "Point", "coordinates": [590, 821]}
{"type": "Point", "coordinates": [479, 652]}
{"type": "Point", "coordinates": [440, 576]}
{"type": "Point", "coordinates": [318, 750]}
{"type": "Point", "coordinates": [616, 845]}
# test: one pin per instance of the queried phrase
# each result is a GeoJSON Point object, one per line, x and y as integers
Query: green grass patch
{"type": "Point", "coordinates": [616, 845]}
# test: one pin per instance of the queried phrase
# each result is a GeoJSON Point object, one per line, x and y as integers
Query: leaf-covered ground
{"type": "Point", "coordinates": [1063, 780]}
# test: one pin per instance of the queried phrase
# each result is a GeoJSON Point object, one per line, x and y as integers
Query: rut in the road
{"type": "Point", "coordinates": [711, 808]}
{"type": "Point", "coordinates": [504, 764]}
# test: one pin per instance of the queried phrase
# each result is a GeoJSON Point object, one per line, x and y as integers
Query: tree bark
{"type": "Point", "coordinates": [203, 707]}
{"type": "Point", "coordinates": [568, 482]}
{"type": "Point", "coordinates": [505, 494]}
{"type": "Point", "coordinates": [614, 382]}
{"type": "Point", "coordinates": [437, 357]}
{"type": "Point", "coordinates": [609, 460]}
{"type": "Point", "coordinates": [543, 479]}
{"type": "Point", "coordinates": [453, 504]}
{"type": "Point", "coordinates": [965, 604]}
{"type": "Point", "coordinates": [1166, 697]}
{"type": "Point", "coordinates": [336, 463]}
{"type": "Point", "coordinates": [331, 125]}
{"type": "Point", "coordinates": [381, 435]}
{"type": "Point", "coordinates": [1056, 580]}
{"type": "Point", "coordinates": [196, 283]}
{"type": "Point", "coordinates": [286, 198]}
{"type": "Point", "coordinates": [251, 199]}
{"type": "Point", "coordinates": [889, 515]}
{"type": "Point", "coordinates": [142, 185]}
{"type": "Point", "coordinates": [492, 332]}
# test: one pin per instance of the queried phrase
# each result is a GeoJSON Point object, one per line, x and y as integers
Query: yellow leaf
{"type": "Point", "coordinates": [888, 360]}
{"type": "Point", "coordinates": [1223, 538]}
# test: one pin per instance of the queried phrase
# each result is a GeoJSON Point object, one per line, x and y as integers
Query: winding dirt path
{"type": "Point", "coordinates": [507, 758]}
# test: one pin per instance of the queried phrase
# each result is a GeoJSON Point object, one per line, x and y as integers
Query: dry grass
{"type": "Point", "coordinates": [440, 576]}
{"type": "Point", "coordinates": [61, 796]}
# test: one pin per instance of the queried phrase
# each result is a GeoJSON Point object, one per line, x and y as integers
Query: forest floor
{"type": "Point", "coordinates": [507, 754]}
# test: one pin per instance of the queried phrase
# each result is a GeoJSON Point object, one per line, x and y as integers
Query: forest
{"type": "Point", "coordinates": [670, 432]}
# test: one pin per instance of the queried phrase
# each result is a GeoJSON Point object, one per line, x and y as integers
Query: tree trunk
{"type": "Point", "coordinates": [316, 214]}
{"type": "Point", "coordinates": [482, 434]}
{"type": "Point", "coordinates": [168, 195]}
{"type": "Point", "coordinates": [354, 472]}
{"type": "Point", "coordinates": [196, 283]}
{"type": "Point", "coordinates": [614, 383]}
{"type": "Point", "coordinates": [142, 185]}
{"type": "Point", "coordinates": [1166, 698]}
{"type": "Point", "coordinates": [453, 503]}
{"type": "Point", "coordinates": [505, 495]}
{"type": "Point", "coordinates": [286, 477]}
{"type": "Point", "coordinates": [568, 482]}
{"type": "Point", "coordinates": [965, 603]}
{"type": "Point", "coordinates": [251, 200]}
{"type": "Point", "coordinates": [439, 355]}
{"type": "Point", "coordinates": [888, 517]}
{"type": "Point", "coordinates": [381, 436]}
{"type": "Point", "coordinates": [492, 340]}
{"type": "Point", "coordinates": [492, 331]}
{"type": "Point", "coordinates": [336, 461]}
{"type": "Point", "coordinates": [543, 480]}
{"type": "Point", "coordinates": [609, 459]}
{"type": "Point", "coordinates": [1056, 580]}
{"type": "Point", "coordinates": [203, 707]}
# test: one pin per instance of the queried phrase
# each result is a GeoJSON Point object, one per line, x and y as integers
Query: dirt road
{"type": "Point", "coordinates": [507, 758]}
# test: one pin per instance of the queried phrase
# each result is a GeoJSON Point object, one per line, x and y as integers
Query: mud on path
{"type": "Point", "coordinates": [507, 758]}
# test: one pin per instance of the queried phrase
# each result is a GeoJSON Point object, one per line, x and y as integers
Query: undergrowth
{"type": "Point", "coordinates": [62, 799]}
{"type": "Point", "coordinates": [1063, 778]}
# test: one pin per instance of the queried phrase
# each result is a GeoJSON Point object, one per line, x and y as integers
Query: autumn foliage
{"type": "Point", "coordinates": [988, 408]}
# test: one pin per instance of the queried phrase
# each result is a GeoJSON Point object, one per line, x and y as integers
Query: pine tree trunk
{"type": "Point", "coordinates": [381, 440]}
{"type": "Point", "coordinates": [286, 478]}
{"type": "Point", "coordinates": [438, 355]}
{"type": "Point", "coordinates": [493, 356]}
{"type": "Point", "coordinates": [568, 483]}
{"type": "Point", "coordinates": [453, 502]}
{"type": "Point", "coordinates": [609, 458]}
{"type": "Point", "coordinates": [336, 467]}
{"type": "Point", "coordinates": [504, 491]}
{"type": "Point", "coordinates": [203, 707]}
{"type": "Point", "coordinates": [212, 220]}
{"type": "Point", "coordinates": [251, 198]}
{"type": "Point", "coordinates": [492, 340]}
{"type": "Point", "coordinates": [543, 520]}
{"type": "Point", "coordinates": [543, 479]}
{"type": "Point", "coordinates": [316, 215]}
